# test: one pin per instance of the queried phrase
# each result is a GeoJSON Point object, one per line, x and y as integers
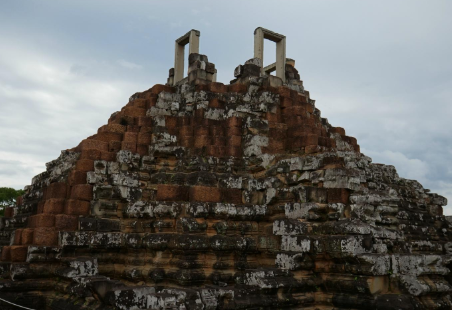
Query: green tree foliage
{"type": "Point", "coordinates": [8, 197]}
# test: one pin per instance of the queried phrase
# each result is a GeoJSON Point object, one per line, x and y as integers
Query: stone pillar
{"type": "Point", "coordinates": [259, 35]}
{"type": "Point", "coordinates": [191, 38]}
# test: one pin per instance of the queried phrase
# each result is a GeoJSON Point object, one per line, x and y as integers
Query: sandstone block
{"type": "Point", "coordinates": [205, 194]}
{"type": "Point", "coordinates": [77, 207]}
{"type": "Point", "coordinates": [27, 236]}
{"type": "Point", "coordinates": [45, 236]}
{"type": "Point", "coordinates": [166, 192]}
{"type": "Point", "coordinates": [114, 146]}
{"type": "Point", "coordinates": [338, 130]}
{"type": "Point", "coordinates": [130, 137]}
{"type": "Point", "coordinates": [90, 154]}
{"type": "Point", "coordinates": [18, 236]}
{"type": "Point", "coordinates": [231, 195]}
{"type": "Point", "coordinates": [134, 112]}
{"type": "Point", "coordinates": [19, 253]}
{"type": "Point", "coordinates": [108, 136]}
{"type": "Point", "coordinates": [144, 138]}
{"type": "Point", "coordinates": [129, 146]}
{"type": "Point", "coordinates": [6, 253]}
{"type": "Point", "coordinates": [91, 144]}
{"type": "Point", "coordinates": [82, 192]}
{"type": "Point", "coordinates": [54, 205]}
{"type": "Point", "coordinates": [237, 88]}
{"type": "Point", "coordinates": [85, 165]}
{"type": "Point", "coordinates": [56, 190]}
{"type": "Point", "coordinates": [108, 156]}
{"type": "Point", "coordinates": [64, 222]}
{"type": "Point", "coordinates": [41, 220]}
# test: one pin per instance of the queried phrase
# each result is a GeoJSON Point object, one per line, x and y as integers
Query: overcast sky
{"type": "Point", "coordinates": [380, 69]}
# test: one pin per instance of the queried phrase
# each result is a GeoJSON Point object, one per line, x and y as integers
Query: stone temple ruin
{"type": "Point", "coordinates": [200, 195]}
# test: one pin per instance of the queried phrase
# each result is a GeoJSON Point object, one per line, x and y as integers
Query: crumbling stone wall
{"type": "Point", "coordinates": [213, 196]}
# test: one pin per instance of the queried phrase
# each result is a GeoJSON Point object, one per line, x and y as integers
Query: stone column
{"type": "Point", "coordinates": [191, 38]}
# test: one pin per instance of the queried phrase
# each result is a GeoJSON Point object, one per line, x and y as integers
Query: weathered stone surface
{"type": "Point", "coordinates": [213, 196]}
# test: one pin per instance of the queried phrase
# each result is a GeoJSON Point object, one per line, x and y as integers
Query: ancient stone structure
{"type": "Point", "coordinates": [200, 195]}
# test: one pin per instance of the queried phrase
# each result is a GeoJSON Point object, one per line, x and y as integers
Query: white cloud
{"type": "Point", "coordinates": [128, 64]}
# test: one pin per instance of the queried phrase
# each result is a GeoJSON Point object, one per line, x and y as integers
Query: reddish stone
{"type": "Point", "coordinates": [146, 129]}
{"type": "Point", "coordinates": [54, 206]}
{"type": "Point", "coordinates": [237, 88]}
{"type": "Point", "coordinates": [90, 154]}
{"type": "Point", "coordinates": [85, 165]}
{"type": "Point", "coordinates": [350, 140]}
{"type": "Point", "coordinates": [235, 140]}
{"type": "Point", "coordinates": [129, 146]}
{"type": "Point", "coordinates": [6, 253]}
{"type": "Point", "coordinates": [19, 253]}
{"type": "Point", "coordinates": [234, 151]}
{"type": "Point", "coordinates": [186, 141]}
{"type": "Point", "coordinates": [134, 112]}
{"type": "Point", "coordinates": [56, 190]}
{"type": "Point", "coordinates": [82, 192]}
{"type": "Point", "coordinates": [286, 102]}
{"type": "Point", "coordinates": [231, 195]}
{"type": "Point", "coordinates": [108, 156]}
{"type": "Point", "coordinates": [41, 220]}
{"type": "Point", "coordinates": [139, 103]}
{"type": "Point", "coordinates": [27, 236]}
{"type": "Point", "coordinates": [133, 128]}
{"type": "Point", "coordinates": [338, 130]}
{"type": "Point", "coordinates": [18, 236]}
{"type": "Point", "coordinates": [235, 121]}
{"type": "Point", "coordinates": [144, 138]}
{"type": "Point", "coordinates": [186, 131]}
{"type": "Point", "coordinates": [216, 103]}
{"type": "Point", "coordinates": [167, 192]}
{"type": "Point", "coordinates": [234, 131]}
{"type": "Point", "coordinates": [273, 117]}
{"type": "Point", "coordinates": [108, 136]}
{"type": "Point", "coordinates": [45, 236]}
{"type": "Point", "coordinates": [115, 128]}
{"type": "Point", "coordinates": [205, 194]}
{"type": "Point", "coordinates": [143, 149]}
{"type": "Point", "coordinates": [77, 207]}
{"type": "Point", "coordinates": [145, 121]}
{"type": "Point", "coordinates": [158, 88]}
{"type": "Point", "coordinates": [91, 144]}
{"type": "Point", "coordinates": [310, 149]}
{"type": "Point", "coordinates": [276, 144]}
{"type": "Point", "coordinates": [114, 146]}
{"type": "Point", "coordinates": [284, 91]}
{"type": "Point", "coordinates": [202, 141]}
{"type": "Point", "coordinates": [217, 87]}
{"type": "Point", "coordinates": [295, 110]}
{"type": "Point", "coordinates": [40, 208]}
{"type": "Point", "coordinates": [201, 131]}
{"type": "Point", "coordinates": [130, 137]}
{"type": "Point", "coordinates": [217, 130]}
{"type": "Point", "coordinates": [171, 121]}
{"type": "Point", "coordinates": [19, 201]}
{"type": "Point", "coordinates": [66, 222]}
{"type": "Point", "coordinates": [218, 141]}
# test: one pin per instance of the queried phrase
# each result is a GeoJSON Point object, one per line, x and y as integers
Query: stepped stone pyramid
{"type": "Point", "coordinates": [200, 195]}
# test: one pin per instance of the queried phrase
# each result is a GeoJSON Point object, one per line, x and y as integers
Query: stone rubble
{"type": "Point", "coordinates": [213, 196]}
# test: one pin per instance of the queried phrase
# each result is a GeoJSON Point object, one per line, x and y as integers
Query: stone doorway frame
{"type": "Point", "coordinates": [280, 65]}
{"type": "Point", "coordinates": [192, 39]}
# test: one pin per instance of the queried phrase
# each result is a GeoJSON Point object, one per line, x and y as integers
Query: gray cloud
{"type": "Point", "coordinates": [380, 69]}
